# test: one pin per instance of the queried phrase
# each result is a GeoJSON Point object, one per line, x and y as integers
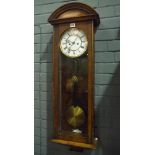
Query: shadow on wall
{"type": "Point", "coordinates": [107, 120]}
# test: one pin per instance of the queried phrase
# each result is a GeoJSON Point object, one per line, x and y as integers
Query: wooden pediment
{"type": "Point", "coordinates": [74, 12]}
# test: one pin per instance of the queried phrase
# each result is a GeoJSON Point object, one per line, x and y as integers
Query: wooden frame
{"type": "Point", "coordinates": [87, 19]}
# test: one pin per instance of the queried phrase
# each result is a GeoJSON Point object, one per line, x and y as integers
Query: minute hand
{"type": "Point", "coordinates": [74, 40]}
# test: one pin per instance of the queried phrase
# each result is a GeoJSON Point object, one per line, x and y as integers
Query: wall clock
{"type": "Point", "coordinates": [73, 74]}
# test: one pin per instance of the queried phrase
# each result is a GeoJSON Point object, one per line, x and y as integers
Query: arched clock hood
{"type": "Point", "coordinates": [72, 12]}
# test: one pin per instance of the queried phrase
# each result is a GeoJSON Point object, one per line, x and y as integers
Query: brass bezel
{"type": "Point", "coordinates": [61, 49]}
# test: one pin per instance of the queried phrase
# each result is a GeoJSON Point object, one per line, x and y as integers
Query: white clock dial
{"type": "Point", "coordinates": [73, 43]}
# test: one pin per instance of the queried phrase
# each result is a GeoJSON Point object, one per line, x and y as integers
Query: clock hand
{"type": "Point", "coordinates": [74, 40]}
{"type": "Point", "coordinates": [69, 42]}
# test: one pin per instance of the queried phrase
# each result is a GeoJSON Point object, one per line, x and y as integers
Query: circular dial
{"type": "Point", "coordinates": [73, 43]}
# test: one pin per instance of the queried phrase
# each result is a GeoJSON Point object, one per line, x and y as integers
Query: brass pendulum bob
{"type": "Point", "coordinates": [75, 115]}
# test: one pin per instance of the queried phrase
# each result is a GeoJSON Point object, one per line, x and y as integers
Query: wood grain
{"type": "Point", "coordinates": [75, 144]}
{"type": "Point", "coordinates": [85, 19]}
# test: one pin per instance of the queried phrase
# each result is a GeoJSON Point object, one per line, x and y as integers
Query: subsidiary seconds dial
{"type": "Point", "coordinates": [73, 43]}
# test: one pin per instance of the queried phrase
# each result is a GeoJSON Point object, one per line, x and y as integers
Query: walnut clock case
{"type": "Point", "coordinates": [73, 75]}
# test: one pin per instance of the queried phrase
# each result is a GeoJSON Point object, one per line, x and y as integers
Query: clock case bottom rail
{"type": "Point", "coordinates": [76, 144]}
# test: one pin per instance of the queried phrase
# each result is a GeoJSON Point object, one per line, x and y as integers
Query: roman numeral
{"type": "Point", "coordinates": [68, 34]}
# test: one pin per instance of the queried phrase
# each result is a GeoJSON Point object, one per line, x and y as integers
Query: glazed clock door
{"type": "Point", "coordinates": [73, 81]}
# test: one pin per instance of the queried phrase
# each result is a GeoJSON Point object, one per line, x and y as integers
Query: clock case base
{"type": "Point", "coordinates": [76, 144]}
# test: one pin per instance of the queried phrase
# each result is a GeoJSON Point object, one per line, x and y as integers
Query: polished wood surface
{"type": "Point", "coordinates": [72, 14]}
{"type": "Point", "coordinates": [85, 19]}
{"type": "Point", "coordinates": [76, 144]}
{"type": "Point", "coordinates": [82, 11]}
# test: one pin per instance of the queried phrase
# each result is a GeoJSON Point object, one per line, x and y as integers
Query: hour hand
{"type": "Point", "coordinates": [69, 42]}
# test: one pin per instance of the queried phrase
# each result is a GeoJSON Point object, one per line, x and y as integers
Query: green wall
{"type": "Point", "coordinates": [107, 87]}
